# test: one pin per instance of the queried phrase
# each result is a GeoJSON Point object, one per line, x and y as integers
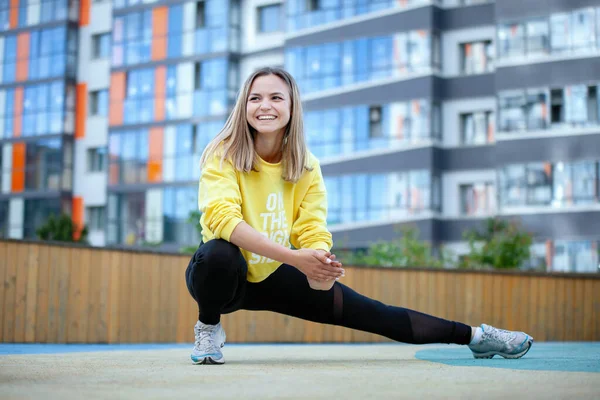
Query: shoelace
{"type": "Point", "coordinates": [205, 338]}
{"type": "Point", "coordinates": [504, 336]}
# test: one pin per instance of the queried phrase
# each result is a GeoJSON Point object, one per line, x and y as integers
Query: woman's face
{"type": "Point", "coordinates": [268, 105]}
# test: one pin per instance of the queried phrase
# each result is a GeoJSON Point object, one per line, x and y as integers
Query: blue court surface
{"type": "Point", "coordinates": [296, 371]}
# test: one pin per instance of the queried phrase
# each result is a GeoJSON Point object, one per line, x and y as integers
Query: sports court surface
{"type": "Point", "coordinates": [296, 371]}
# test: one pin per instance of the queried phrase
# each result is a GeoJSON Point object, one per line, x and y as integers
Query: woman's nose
{"type": "Point", "coordinates": [265, 105]}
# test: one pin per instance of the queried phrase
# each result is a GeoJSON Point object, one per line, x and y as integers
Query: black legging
{"type": "Point", "coordinates": [216, 279]}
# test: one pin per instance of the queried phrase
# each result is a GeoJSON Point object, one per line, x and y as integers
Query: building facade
{"type": "Point", "coordinates": [432, 113]}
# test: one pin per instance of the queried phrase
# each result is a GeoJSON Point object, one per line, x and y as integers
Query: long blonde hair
{"type": "Point", "coordinates": [237, 136]}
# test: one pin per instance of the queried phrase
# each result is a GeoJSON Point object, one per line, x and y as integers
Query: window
{"type": "Point", "coordinates": [95, 218]}
{"type": "Point", "coordinates": [477, 57]}
{"type": "Point", "coordinates": [575, 256]}
{"type": "Point", "coordinates": [574, 183]}
{"type": "Point", "coordinates": [511, 40]}
{"type": "Point", "coordinates": [101, 46]}
{"type": "Point", "coordinates": [269, 19]}
{"type": "Point", "coordinates": [512, 111]}
{"type": "Point", "coordinates": [477, 128]}
{"type": "Point", "coordinates": [538, 37]}
{"type": "Point", "coordinates": [478, 198]}
{"type": "Point", "coordinates": [313, 5]}
{"type": "Point", "coordinates": [96, 159]}
{"type": "Point", "coordinates": [539, 183]}
{"type": "Point", "coordinates": [375, 130]}
{"type": "Point", "coordinates": [536, 108]}
{"type": "Point", "coordinates": [99, 103]}
{"type": "Point", "coordinates": [200, 14]}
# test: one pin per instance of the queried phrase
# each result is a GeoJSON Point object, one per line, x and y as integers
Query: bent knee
{"type": "Point", "coordinates": [220, 254]}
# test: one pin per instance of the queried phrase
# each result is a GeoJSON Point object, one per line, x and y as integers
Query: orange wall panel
{"type": "Point", "coordinates": [80, 110]}
{"type": "Point", "coordinates": [77, 216]}
{"type": "Point", "coordinates": [14, 13]}
{"type": "Point", "coordinates": [84, 12]}
{"type": "Point", "coordinates": [18, 167]}
{"type": "Point", "coordinates": [22, 56]}
{"type": "Point", "coordinates": [155, 142]}
{"type": "Point", "coordinates": [18, 117]}
{"type": "Point", "coordinates": [117, 94]}
{"type": "Point", "coordinates": [159, 33]}
{"type": "Point", "coordinates": [160, 90]}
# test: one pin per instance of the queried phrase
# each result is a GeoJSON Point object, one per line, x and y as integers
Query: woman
{"type": "Point", "coordinates": [262, 190]}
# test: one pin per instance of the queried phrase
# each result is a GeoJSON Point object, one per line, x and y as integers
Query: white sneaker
{"type": "Point", "coordinates": [207, 347]}
{"type": "Point", "coordinates": [507, 344]}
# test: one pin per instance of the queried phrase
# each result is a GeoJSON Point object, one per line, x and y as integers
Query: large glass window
{"type": "Point", "coordinates": [269, 18]}
{"type": "Point", "coordinates": [178, 202]}
{"type": "Point", "coordinates": [376, 197]}
{"type": "Point", "coordinates": [511, 40]}
{"type": "Point", "coordinates": [538, 36]}
{"type": "Point", "coordinates": [511, 110]}
{"type": "Point", "coordinates": [575, 183]}
{"type": "Point", "coordinates": [95, 218]}
{"type": "Point", "coordinates": [478, 198]}
{"type": "Point", "coordinates": [477, 127]}
{"type": "Point", "coordinates": [126, 218]}
{"type": "Point", "coordinates": [303, 14]}
{"type": "Point", "coordinates": [344, 131]}
{"type": "Point", "coordinates": [128, 157]}
{"type": "Point", "coordinates": [477, 57]}
{"type": "Point", "coordinates": [4, 220]}
{"type": "Point", "coordinates": [43, 165]}
{"type": "Point", "coordinates": [211, 78]}
{"type": "Point", "coordinates": [101, 45]}
{"type": "Point", "coordinates": [568, 32]}
{"type": "Point", "coordinates": [337, 64]}
{"type": "Point", "coordinates": [547, 184]}
{"type": "Point", "coordinates": [37, 212]}
{"type": "Point", "coordinates": [575, 256]}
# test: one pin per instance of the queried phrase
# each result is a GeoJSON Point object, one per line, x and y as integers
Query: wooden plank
{"type": "Point", "coordinates": [3, 269]}
{"type": "Point", "coordinates": [533, 308]}
{"type": "Point", "coordinates": [596, 310]}
{"type": "Point", "coordinates": [74, 300]}
{"type": "Point", "coordinates": [42, 307]}
{"type": "Point", "coordinates": [136, 296]}
{"type": "Point", "coordinates": [113, 297]}
{"type": "Point", "coordinates": [125, 307]}
{"type": "Point", "coordinates": [103, 314]}
{"type": "Point", "coordinates": [21, 293]}
{"type": "Point", "coordinates": [588, 310]}
{"type": "Point", "coordinates": [547, 315]}
{"type": "Point", "coordinates": [31, 291]}
{"type": "Point", "coordinates": [578, 300]}
{"type": "Point", "coordinates": [559, 309]}
{"type": "Point", "coordinates": [94, 283]}
{"type": "Point", "coordinates": [82, 260]}
{"type": "Point", "coordinates": [64, 292]}
{"type": "Point", "coordinates": [53, 293]}
{"type": "Point", "coordinates": [569, 309]}
{"type": "Point", "coordinates": [10, 283]}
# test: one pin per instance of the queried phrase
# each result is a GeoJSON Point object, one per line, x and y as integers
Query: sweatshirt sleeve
{"type": "Point", "coordinates": [219, 198]}
{"type": "Point", "coordinates": [310, 227]}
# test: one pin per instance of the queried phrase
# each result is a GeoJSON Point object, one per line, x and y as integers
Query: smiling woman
{"type": "Point", "coordinates": [261, 191]}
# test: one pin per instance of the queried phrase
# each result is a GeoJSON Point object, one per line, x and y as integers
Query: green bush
{"type": "Point", "coordinates": [501, 244]}
{"type": "Point", "coordinates": [405, 251]}
{"type": "Point", "coordinates": [61, 229]}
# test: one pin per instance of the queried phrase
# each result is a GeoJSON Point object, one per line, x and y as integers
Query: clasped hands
{"type": "Point", "coordinates": [318, 265]}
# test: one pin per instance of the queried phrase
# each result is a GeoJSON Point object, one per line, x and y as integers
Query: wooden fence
{"type": "Point", "coordinates": [59, 294]}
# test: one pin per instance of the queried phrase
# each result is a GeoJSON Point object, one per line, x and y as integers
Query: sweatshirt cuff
{"type": "Point", "coordinates": [319, 246]}
{"type": "Point", "coordinates": [229, 227]}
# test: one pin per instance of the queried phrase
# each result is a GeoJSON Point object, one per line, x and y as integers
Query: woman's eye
{"type": "Point", "coordinates": [277, 97]}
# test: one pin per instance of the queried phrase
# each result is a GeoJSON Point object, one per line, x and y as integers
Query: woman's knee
{"type": "Point", "coordinates": [219, 255]}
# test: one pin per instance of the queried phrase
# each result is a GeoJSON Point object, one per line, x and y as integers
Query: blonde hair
{"type": "Point", "coordinates": [235, 141]}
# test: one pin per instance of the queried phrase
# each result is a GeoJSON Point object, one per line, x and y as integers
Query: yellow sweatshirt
{"type": "Point", "coordinates": [282, 211]}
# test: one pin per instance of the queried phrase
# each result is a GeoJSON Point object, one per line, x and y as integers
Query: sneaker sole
{"type": "Point", "coordinates": [208, 360]}
{"type": "Point", "coordinates": [491, 354]}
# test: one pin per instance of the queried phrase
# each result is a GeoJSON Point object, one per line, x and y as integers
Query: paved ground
{"type": "Point", "coordinates": [384, 371]}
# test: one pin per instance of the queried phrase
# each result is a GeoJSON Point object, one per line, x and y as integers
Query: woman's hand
{"type": "Point", "coordinates": [318, 265]}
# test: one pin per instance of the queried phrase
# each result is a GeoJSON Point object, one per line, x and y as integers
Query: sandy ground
{"type": "Point", "coordinates": [381, 371]}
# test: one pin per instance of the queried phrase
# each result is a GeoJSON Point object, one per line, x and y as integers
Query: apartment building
{"type": "Point", "coordinates": [432, 113]}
